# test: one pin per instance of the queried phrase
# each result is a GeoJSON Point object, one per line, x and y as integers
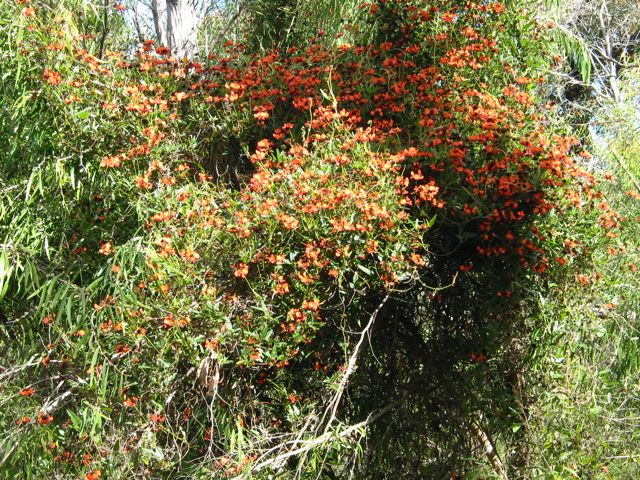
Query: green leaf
{"type": "Point", "coordinates": [365, 269]}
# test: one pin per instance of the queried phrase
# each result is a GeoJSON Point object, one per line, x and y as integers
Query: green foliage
{"type": "Point", "coordinates": [586, 366]}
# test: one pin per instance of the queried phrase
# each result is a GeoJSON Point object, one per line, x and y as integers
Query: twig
{"type": "Point", "coordinates": [230, 23]}
{"type": "Point", "coordinates": [105, 31]}
{"type": "Point", "coordinates": [633, 179]}
{"type": "Point", "coordinates": [7, 372]}
{"type": "Point", "coordinates": [325, 437]}
{"type": "Point", "coordinates": [351, 365]}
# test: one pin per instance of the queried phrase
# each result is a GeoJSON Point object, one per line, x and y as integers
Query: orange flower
{"type": "Point", "coordinates": [52, 77]}
{"type": "Point", "coordinates": [23, 421]}
{"type": "Point", "coordinates": [121, 350]}
{"type": "Point", "coordinates": [418, 259]}
{"type": "Point", "coordinates": [44, 418]}
{"type": "Point", "coordinates": [241, 270]}
{"type": "Point", "coordinates": [583, 279]}
{"type": "Point", "coordinates": [478, 357]}
{"type": "Point", "coordinates": [289, 222]}
{"type": "Point", "coordinates": [282, 286]}
{"type": "Point", "coordinates": [141, 182]}
{"type": "Point", "coordinates": [305, 278]}
{"type": "Point", "coordinates": [293, 398]}
{"type": "Point", "coordinates": [190, 255]}
{"type": "Point", "coordinates": [27, 392]}
{"type": "Point", "coordinates": [296, 315]}
{"type": "Point", "coordinates": [110, 162]}
{"type": "Point", "coordinates": [94, 475]}
{"type": "Point", "coordinates": [260, 113]}
{"type": "Point", "coordinates": [168, 322]}
{"type": "Point", "coordinates": [106, 248]}
{"type": "Point", "coordinates": [276, 259]}
{"type": "Point", "coordinates": [498, 8]}
{"type": "Point", "coordinates": [310, 305]}
{"type": "Point", "coordinates": [109, 106]}
{"type": "Point", "coordinates": [180, 96]}
{"type": "Point", "coordinates": [561, 261]}
{"type": "Point", "coordinates": [448, 17]}
{"type": "Point", "coordinates": [256, 356]}
{"type": "Point", "coordinates": [633, 194]}
{"type": "Point", "coordinates": [130, 401]}
{"type": "Point", "coordinates": [157, 418]}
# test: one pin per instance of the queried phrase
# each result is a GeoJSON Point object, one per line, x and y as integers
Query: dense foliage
{"type": "Point", "coordinates": [314, 257]}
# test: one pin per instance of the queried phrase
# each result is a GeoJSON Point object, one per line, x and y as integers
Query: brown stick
{"type": "Point", "coordinates": [490, 451]}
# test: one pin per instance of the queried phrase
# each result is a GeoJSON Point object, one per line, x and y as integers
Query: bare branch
{"type": "Point", "coordinates": [308, 445]}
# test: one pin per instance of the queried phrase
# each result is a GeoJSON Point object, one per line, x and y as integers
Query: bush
{"type": "Point", "coordinates": [196, 253]}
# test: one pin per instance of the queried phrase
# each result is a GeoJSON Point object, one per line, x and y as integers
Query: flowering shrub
{"type": "Point", "coordinates": [173, 312]}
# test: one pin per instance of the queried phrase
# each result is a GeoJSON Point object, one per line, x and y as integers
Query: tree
{"type": "Point", "coordinates": [159, 14]}
{"type": "Point", "coordinates": [182, 27]}
{"type": "Point", "coordinates": [176, 25]}
{"type": "Point", "coordinates": [600, 37]}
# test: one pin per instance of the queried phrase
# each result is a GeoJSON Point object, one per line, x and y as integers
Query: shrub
{"type": "Point", "coordinates": [167, 316]}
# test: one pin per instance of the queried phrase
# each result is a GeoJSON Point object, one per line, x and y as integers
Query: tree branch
{"type": "Point", "coordinates": [490, 451]}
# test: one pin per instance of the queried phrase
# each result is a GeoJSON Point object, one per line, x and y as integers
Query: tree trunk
{"type": "Point", "coordinates": [182, 27]}
{"type": "Point", "coordinates": [610, 60]}
{"type": "Point", "coordinates": [158, 22]}
{"type": "Point", "coordinates": [136, 23]}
